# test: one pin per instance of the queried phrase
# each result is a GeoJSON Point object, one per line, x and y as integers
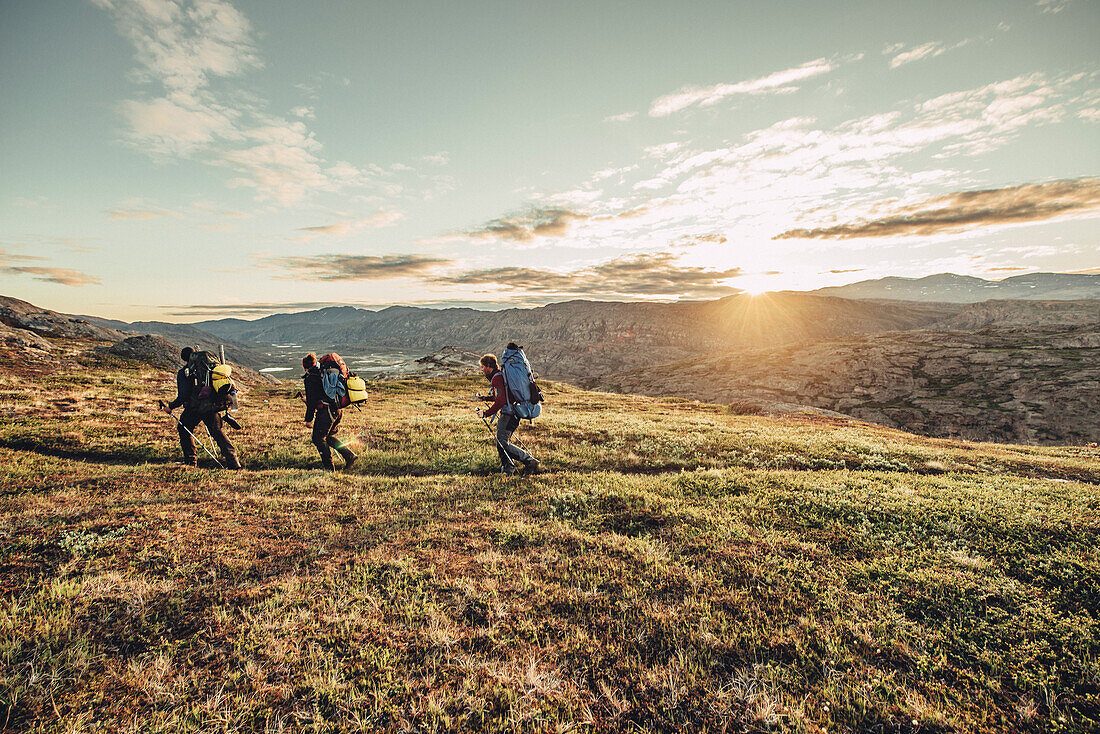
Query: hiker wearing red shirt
{"type": "Point", "coordinates": [507, 421]}
{"type": "Point", "coordinates": [327, 415]}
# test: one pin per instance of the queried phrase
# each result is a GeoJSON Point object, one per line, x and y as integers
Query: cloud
{"type": "Point", "coordinates": [632, 276]}
{"type": "Point", "coordinates": [844, 270]}
{"type": "Point", "coordinates": [121, 213]}
{"type": "Point", "coordinates": [192, 49]}
{"type": "Point", "coordinates": [623, 117]}
{"type": "Point", "coordinates": [182, 45]}
{"type": "Point", "coordinates": [779, 82]}
{"type": "Point", "coordinates": [550, 222]}
{"type": "Point", "coordinates": [1006, 269]}
{"type": "Point", "coordinates": [1053, 6]}
{"type": "Point", "coordinates": [970, 209]}
{"type": "Point", "coordinates": [60, 276]}
{"type": "Point", "coordinates": [355, 267]}
{"type": "Point", "coordinates": [694, 240]}
{"type": "Point", "coordinates": [341, 229]}
{"type": "Point", "coordinates": [441, 158]}
{"type": "Point", "coordinates": [916, 53]}
{"type": "Point", "coordinates": [903, 55]}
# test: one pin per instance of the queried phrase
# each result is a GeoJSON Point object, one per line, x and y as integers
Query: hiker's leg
{"type": "Point", "coordinates": [321, 425]}
{"type": "Point", "coordinates": [514, 452]}
{"type": "Point", "coordinates": [509, 454]}
{"type": "Point", "coordinates": [213, 422]}
{"type": "Point", "coordinates": [189, 421]}
{"type": "Point", "coordinates": [334, 441]}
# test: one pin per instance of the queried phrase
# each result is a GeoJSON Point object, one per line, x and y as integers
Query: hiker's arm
{"type": "Point", "coordinates": [181, 392]}
{"type": "Point", "coordinates": [498, 394]}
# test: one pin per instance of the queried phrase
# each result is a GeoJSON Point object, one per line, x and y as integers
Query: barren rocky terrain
{"type": "Point", "coordinates": [1035, 385]}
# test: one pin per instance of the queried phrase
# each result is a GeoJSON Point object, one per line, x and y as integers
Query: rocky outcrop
{"type": "Point", "coordinates": [22, 315]}
{"type": "Point", "coordinates": [1023, 313]}
{"type": "Point", "coordinates": [447, 362]}
{"type": "Point", "coordinates": [159, 352]}
{"type": "Point", "coordinates": [1030, 385]}
{"type": "Point", "coordinates": [23, 340]}
{"type": "Point", "coordinates": [150, 349]}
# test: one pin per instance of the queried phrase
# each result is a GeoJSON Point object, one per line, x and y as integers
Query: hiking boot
{"type": "Point", "coordinates": [349, 459]}
{"type": "Point", "coordinates": [531, 466]}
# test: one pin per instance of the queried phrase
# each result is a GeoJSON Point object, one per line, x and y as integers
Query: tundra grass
{"type": "Point", "coordinates": [678, 568]}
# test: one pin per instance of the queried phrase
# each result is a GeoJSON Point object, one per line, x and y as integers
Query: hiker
{"type": "Point", "coordinates": [507, 421]}
{"type": "Point", "coordinates": [327, 416]}
{"type": "Point", "coordinates": [197, 409]}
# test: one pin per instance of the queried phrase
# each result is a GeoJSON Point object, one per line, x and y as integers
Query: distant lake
{"type": "Point", "coordinates": [285, 360]}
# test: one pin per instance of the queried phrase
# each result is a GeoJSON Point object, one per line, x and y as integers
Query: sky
{"type": "Point", "coordinates": [181, 160]}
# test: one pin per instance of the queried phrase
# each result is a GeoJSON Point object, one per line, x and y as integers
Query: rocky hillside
{"type": "Point", "coordinates": [951, 288]}
{"type": "Point", "coordinates": [184, 334]}
{"type": "Point", "coordinates": [1034, 385]}
{"type": "Point", "coordinates": [22, 315]}
{"type": "Point", "coordinates": [578, 339]}
{"type": "Point", "coordinates": [155, 350]}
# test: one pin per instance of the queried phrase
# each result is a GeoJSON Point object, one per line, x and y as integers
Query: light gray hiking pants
{"type": "Point", "coordinates": [509, 453]}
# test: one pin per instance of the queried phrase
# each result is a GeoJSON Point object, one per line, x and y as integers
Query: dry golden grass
{"type": "Point", "coordinates": [678, 568]}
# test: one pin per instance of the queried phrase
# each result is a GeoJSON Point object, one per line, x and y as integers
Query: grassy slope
{"type": "Point", "coordinates": [679, 565]}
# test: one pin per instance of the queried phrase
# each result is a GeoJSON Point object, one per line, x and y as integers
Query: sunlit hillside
{"type": "Point", "coordinates": [678, 567]}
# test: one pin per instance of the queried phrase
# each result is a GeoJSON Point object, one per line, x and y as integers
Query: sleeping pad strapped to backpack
{"type": "Point", "coordinates": [211, 385]}
{"type": "Point", "coordinates": [342, 388]}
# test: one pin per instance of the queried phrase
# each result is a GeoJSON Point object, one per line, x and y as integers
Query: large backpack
{"type": "Point", "coordinates": [522, 394]}
{"type": "Point", "coordinates": [200, 373]}
{"type": "Point", "coordinates": [342, 388]}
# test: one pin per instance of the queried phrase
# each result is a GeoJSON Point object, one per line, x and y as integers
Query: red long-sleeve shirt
{"type": "Point", "coordinates": [499, 394]}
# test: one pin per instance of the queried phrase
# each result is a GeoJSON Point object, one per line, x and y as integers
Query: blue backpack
{"type": "Point", "coordinates": [522, 394]}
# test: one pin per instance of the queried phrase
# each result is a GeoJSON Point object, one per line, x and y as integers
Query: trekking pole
{"type": "Point", "coordinates": [489, 427]}
{"type": "Point", "coordinates": [196, 438]}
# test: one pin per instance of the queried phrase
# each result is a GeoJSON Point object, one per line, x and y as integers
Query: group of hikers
{"type": "Point", "coordinates": [206, 393]}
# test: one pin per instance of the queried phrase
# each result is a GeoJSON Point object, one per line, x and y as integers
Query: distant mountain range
{"type": "Point", "coordinates": [1014, 370]}
{"type": "Point", "coordinates": [578, 339]}
{"type": "Point", "coordinates": [951, 288]}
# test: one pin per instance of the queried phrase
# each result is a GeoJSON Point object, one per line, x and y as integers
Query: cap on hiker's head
{"type": "Point", "coordinates": [185, 353]}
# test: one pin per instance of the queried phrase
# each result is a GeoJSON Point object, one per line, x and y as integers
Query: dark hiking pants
{"type": "Point", "coordinates": [509, 453]}
{"type": "Point", "coordinates": [190, 420]}
{"type": "Point", "coordinates": [325, 425]}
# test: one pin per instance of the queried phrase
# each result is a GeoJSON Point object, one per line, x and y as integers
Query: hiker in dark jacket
{"type": "Point", "coordinates": [197, 411]}
{"type": "Point", "coordinates": [323, 417]}
{"type": "Point", "coordinates": [507, 422]}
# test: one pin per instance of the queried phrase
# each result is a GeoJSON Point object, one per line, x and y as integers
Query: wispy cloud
{"type": "Point", "coordinates": [355, 267]}
{"type": "Point", "coordinates": [780, 82]}
{"type": "Point", "coordinates": [122, 213]}
{"type": "Point", "coordinates": [971, 209]}
{"type": "Point", "coordinates": [525, 227]}
{"type": "Point", "coordinates": [632, 276]}
{"type": "Point", "coordinates": [191, 48]}
{"type": "Point", "coordinates": [904, 55]}
{"type": "Point", "coordinates": [622, 117]}
{"type": "Point", "coordinates": [381, 219]}
{"type": "Point", "coordinates": [1053, 6]}
{"type": "Point", "coordinates": [9, 263]}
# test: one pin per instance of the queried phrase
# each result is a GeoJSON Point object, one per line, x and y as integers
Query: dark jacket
{"type": "Point", "coordinates": [315, 392]}
{"type": "Point", "coordinates": [183, 389]}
